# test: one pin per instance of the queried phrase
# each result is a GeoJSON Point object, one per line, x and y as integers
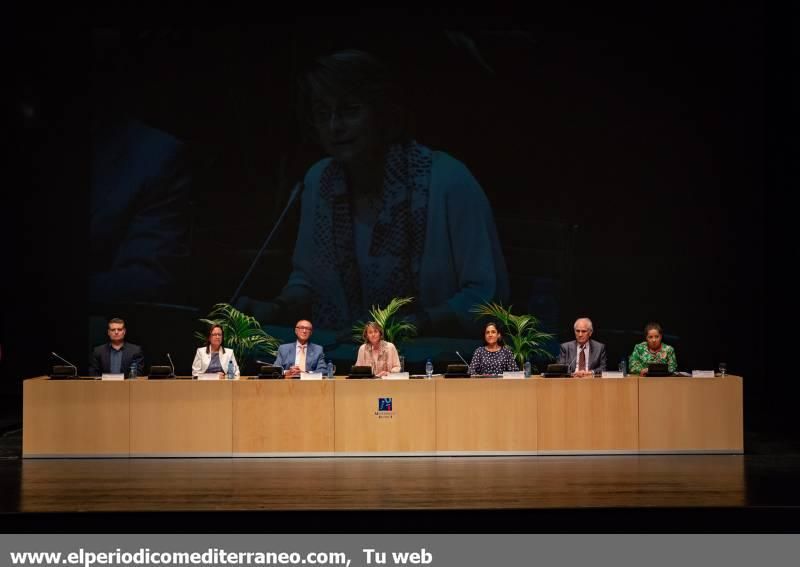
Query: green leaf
{"type": "Point", "coordinates": [521, 332]}
{"type": "Point", "coordinates": [243, 333]}
{"type": "Point", "coordinates": [395, 331]}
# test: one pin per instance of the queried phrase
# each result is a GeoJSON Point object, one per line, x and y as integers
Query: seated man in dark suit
{"type": "Point", "coordinates": [301, 356]}
{"type": "Point", "coordinates": [116, 356]}
{"type": "Point", "coordinates": [583, 356]}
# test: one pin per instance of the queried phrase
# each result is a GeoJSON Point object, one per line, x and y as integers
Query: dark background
{"type": "Point", "coordinates": [636, 162]}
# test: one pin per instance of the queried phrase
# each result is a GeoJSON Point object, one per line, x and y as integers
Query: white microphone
{"type": "Point", "coordinates": [171, 364]}
{"type": "Point", "coordinates": [75, 368]}
{"type": "Point", "coordinates": [462, 358]}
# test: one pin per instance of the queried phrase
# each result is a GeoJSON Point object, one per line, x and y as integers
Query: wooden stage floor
{"type": "Point", "coordinates": [621, 493]}
{"type": "Point", "coordinates": [149, 485]}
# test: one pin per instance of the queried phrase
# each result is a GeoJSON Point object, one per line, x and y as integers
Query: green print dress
{"type": "Point", "coordinates": [641, 357]}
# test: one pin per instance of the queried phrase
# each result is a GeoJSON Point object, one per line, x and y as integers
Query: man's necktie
{"type": "Point", "coordinates": [582, 359]}
{"type": "Point", "coordinates": [301, 358]}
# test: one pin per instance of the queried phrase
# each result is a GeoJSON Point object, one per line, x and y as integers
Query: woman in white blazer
{"type": "Point", "coordinates": [214, 357]}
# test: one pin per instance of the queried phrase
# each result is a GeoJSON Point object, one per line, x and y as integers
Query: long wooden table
{"type": "Point", "coordinates": [233, 418]}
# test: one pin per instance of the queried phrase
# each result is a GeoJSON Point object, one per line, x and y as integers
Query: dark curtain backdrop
{"type": "Point", "coordinates": [636, 165]}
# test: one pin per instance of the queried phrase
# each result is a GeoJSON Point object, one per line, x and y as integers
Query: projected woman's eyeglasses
{"type": "Point", "coordinates": [347, 112]}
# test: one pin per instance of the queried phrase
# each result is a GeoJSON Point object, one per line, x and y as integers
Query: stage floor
{"type": "Point", "coordinates": [757, 491]}
{"type": "Point", "coordinates": [149, 485]}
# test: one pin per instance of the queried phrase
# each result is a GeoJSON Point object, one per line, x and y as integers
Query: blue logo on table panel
{"type": "Point", "coordinates": [384, 404]}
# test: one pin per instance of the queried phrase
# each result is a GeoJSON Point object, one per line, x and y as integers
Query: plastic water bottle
{"type": "Point", "coordinates": [429, 368]}
{"type": "Point", "coordinates": [330, 370]}
{"type": "Point", "coordinates": [623, 366]}
{"type": "Point", "coordinates": [231, 372]}
{"type": "Point", "coordinates": [133, 372]}
{"type": "Point", "coordinates": [527, 368]}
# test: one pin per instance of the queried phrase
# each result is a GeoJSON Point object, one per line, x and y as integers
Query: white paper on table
{"type": "Point", "coordinates": [208, 376]}
{"type": "Point", "coordinates": [397, 376]}
{"type": "Point", "coordinates": [112, 377]}
{"type": "Point", "coordinates": [702, 374]}
{"type": "Point", "coordinates": [311, 376]}
{"type": "Point", "coordinates": [612, 374]}
{"type": "Point", "coordinates": [513, 375]}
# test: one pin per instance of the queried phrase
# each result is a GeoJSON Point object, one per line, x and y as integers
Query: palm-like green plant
{"type": "Point", "coordinates": [395, 330]}
{"type": "Point", "coordinates": [521, 332]}
{"type": "Point", "coordinates": [243, 333]}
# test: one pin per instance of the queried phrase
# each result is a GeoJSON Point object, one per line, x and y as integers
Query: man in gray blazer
{"type": "Point", "coordinates": [583, 356]}
{"type": "Point", "coordinates": [302, 355]}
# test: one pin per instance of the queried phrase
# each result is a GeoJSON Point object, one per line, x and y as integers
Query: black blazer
{"type": "Point", "coordinates": [100, 359]}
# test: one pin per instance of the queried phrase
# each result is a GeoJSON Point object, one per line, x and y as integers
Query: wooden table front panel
{"type": "Point", "coordinates": [486, 414]}
{"type": "Point", "coordinates": [690, 414]}
{"type": "Point", "coordinates": [283, 416]}
{"type": "Point", "coordinates": [148, 417]}
{"type": "Point", "coordinates": [181, 417]}
{"type": "Point", "coordinates": [587, 414]}
{"type": "Point", "coordinates": [361, 427]}
{"type": "Point", "coordinates": [75, 417]}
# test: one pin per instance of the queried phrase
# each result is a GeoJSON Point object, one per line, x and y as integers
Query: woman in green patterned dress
{"type": "Point", "coordinates": [652, 350]}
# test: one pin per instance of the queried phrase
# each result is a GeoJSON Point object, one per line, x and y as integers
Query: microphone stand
{"type": "Point", "coordinates": [296, 191]}
{"type": "Point", "coordinates": [74, 368]}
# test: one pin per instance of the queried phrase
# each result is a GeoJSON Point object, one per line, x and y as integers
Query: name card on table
{"type": "Point", "coordinates": [208, 376]}
{"type": "Point", "coordinates": [112, 377]}
{"type": "Point", "coordinates": [611, 374]}
{"type": "Point", "coordinates": [514, 375]}
{"type": "Point", "coordinates": [397, 376]}
{"type": "Point", "coordinates": [702, 373]}
{"type": "Point", "coordinates": [311, 376]}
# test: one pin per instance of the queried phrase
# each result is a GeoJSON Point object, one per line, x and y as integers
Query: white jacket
{"type": "Point", "coordinates": [202, 359]}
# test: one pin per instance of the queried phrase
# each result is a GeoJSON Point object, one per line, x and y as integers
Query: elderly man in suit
{"type": "Point", "coordinates": [583, 356]}
{"type": "Point", "coordinates": [301, 355]}
{"type": "Point", "coordinates": [116, 356]}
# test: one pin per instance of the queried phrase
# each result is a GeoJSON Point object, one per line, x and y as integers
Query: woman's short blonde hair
{"type": "Point", "coordinates": [371, 325]}
{"type": "Point", "coordinates": [361, 74]}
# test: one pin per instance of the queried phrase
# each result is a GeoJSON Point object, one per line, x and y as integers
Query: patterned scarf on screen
{"type": "Point", "coordinates": [395, 249]}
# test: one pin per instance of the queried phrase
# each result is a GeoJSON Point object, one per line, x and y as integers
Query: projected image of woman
{"type": "Point", "coordinates": [384, 216]}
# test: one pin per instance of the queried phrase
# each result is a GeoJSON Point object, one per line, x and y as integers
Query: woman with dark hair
{"type": "Point", "coordinates": [383, 216]}
{"type": "Point", "coordinates": [652, 350]}
{"type": "Point", "coordinates": [214, 357]}
{"type": "Point", "coordinates": [375, 352]}
{"type": "Point", "coordinates": [493, 357]}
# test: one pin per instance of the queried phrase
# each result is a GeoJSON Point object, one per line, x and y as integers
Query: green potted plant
{"type": "Point", "coordinates": [243, 333]}
{"type": "Point", "coordinates": [521, 332]}
{"type": "Point", "coordinates": [395, 329]}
